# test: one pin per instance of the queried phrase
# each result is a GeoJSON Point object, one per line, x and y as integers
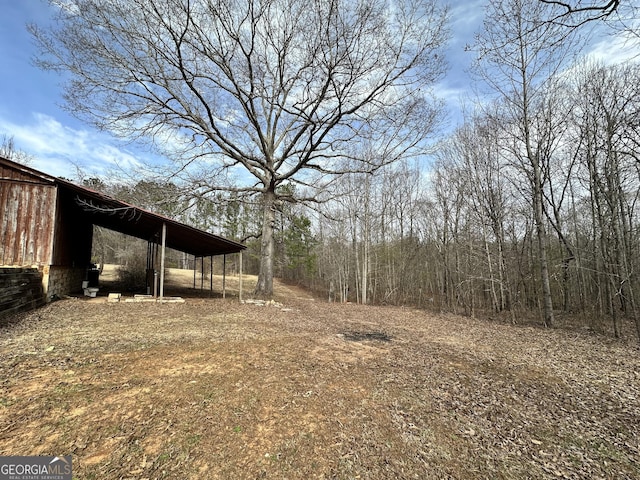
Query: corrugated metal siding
{"type": "Point", "coordinates": [31, 235]}
{"type": "Point", "coordinates": [27, 214]}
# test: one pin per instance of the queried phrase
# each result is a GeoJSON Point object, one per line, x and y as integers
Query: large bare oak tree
{"type": "Point", "coordinates": [279, 90]}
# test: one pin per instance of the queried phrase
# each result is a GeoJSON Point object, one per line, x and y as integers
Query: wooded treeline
{"type": "Point", "coordinates": [459, 234]}
{"type": "Point", "coordinates": [528, 209]}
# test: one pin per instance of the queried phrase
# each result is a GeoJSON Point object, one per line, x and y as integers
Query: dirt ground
{"type": "Point", "coordinates": [213, 388]}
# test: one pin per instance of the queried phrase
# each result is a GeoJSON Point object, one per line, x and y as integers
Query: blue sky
{"type": "Point", "coordinates": [30, 99]}
{"type": "Point", "coordinates": [31, 105]}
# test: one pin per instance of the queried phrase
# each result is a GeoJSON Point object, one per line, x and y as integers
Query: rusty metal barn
{"type": "Point", "coordinates": [47, 231]}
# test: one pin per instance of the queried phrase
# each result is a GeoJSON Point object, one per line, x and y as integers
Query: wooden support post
{"type": "Point", "coordinates": [240, 279]}
{"type": "Point", "coordinates": [211, 274]}
{"type": "Point", "coordinates": [224, 276]}
{"type": "Point", "coordinates": [195, 266]}
{"type": "Point", "coordinates": [162, 255]}
{"type": "Point", "coordinates": [155, 264]}
{"type": "Point", "coordinates": [149, 277]}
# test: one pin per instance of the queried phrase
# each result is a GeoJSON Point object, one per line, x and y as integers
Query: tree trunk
{"type": "Point", "coordinates": [542, 252]}
{"type": "Point", "coordinates": [497, 305]}
{"type": "Point", "coordinates": [538, 214]}
{"type": "Point", "coordinates": [264, 287]}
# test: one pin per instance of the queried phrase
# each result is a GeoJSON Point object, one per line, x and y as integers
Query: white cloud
{"type": "Point", "coordinates": [467, 16]}
{"type": "Point", "coordinates": [60, 150]}
{"type": "Point", "coordinates": [614, 49]}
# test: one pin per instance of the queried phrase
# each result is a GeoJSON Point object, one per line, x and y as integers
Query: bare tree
{"type": "Point", "coordinates": [607, 105]}
{"type": "Point", "coordinates": [448, 212]}
{"type": "Point", "coordinates": [272, 90]}
{"type": "Point", "coordinates": [516, 55]}
{"type": "Point", "coordinates": [478, 146]}
{"type": "Point", "coordinates": [9, 151]}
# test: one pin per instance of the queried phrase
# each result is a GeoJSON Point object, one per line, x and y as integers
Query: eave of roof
{"type": "Point", "coordinates": [105, 211]}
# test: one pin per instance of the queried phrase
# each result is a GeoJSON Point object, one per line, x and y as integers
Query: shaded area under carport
{"type": "Point", "coordinates": [159, 231]}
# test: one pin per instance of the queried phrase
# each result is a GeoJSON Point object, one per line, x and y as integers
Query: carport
{"type": "Point", "coordinates": [47, 223]}
{"type": "Point", "coordinates": [160, 232]}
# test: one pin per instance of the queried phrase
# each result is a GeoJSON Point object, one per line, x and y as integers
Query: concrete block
{"type": "Point", "coordinates": [114, 297]}
{"type": "Point", "coordinates": [144, 298]}
{"type": "Point", "coordinates": [173, 300]}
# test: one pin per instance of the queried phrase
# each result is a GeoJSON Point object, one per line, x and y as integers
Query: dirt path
{"type": "Point", "coordinates": [216, 389]}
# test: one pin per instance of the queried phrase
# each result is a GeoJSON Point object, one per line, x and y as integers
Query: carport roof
{"type": "Point", "coordinates": [105, 211]}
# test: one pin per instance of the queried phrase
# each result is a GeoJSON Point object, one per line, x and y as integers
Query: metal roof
{"type": "Point", "coordinates": [102, 210]}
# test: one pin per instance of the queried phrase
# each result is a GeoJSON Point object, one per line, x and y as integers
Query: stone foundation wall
{"type": "Point", "coordinates": [20, 290]}
{"type": "Point", "coordinates": [62, 281]}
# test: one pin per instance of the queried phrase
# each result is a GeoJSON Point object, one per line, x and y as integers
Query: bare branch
{"type": "Point", "coordinates": [128, 213]}
{"type": "Point", "coordinates": [583, 13]}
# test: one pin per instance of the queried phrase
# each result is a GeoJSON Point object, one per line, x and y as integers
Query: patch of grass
{"type": "Point", "coordinates": [163, 457]}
